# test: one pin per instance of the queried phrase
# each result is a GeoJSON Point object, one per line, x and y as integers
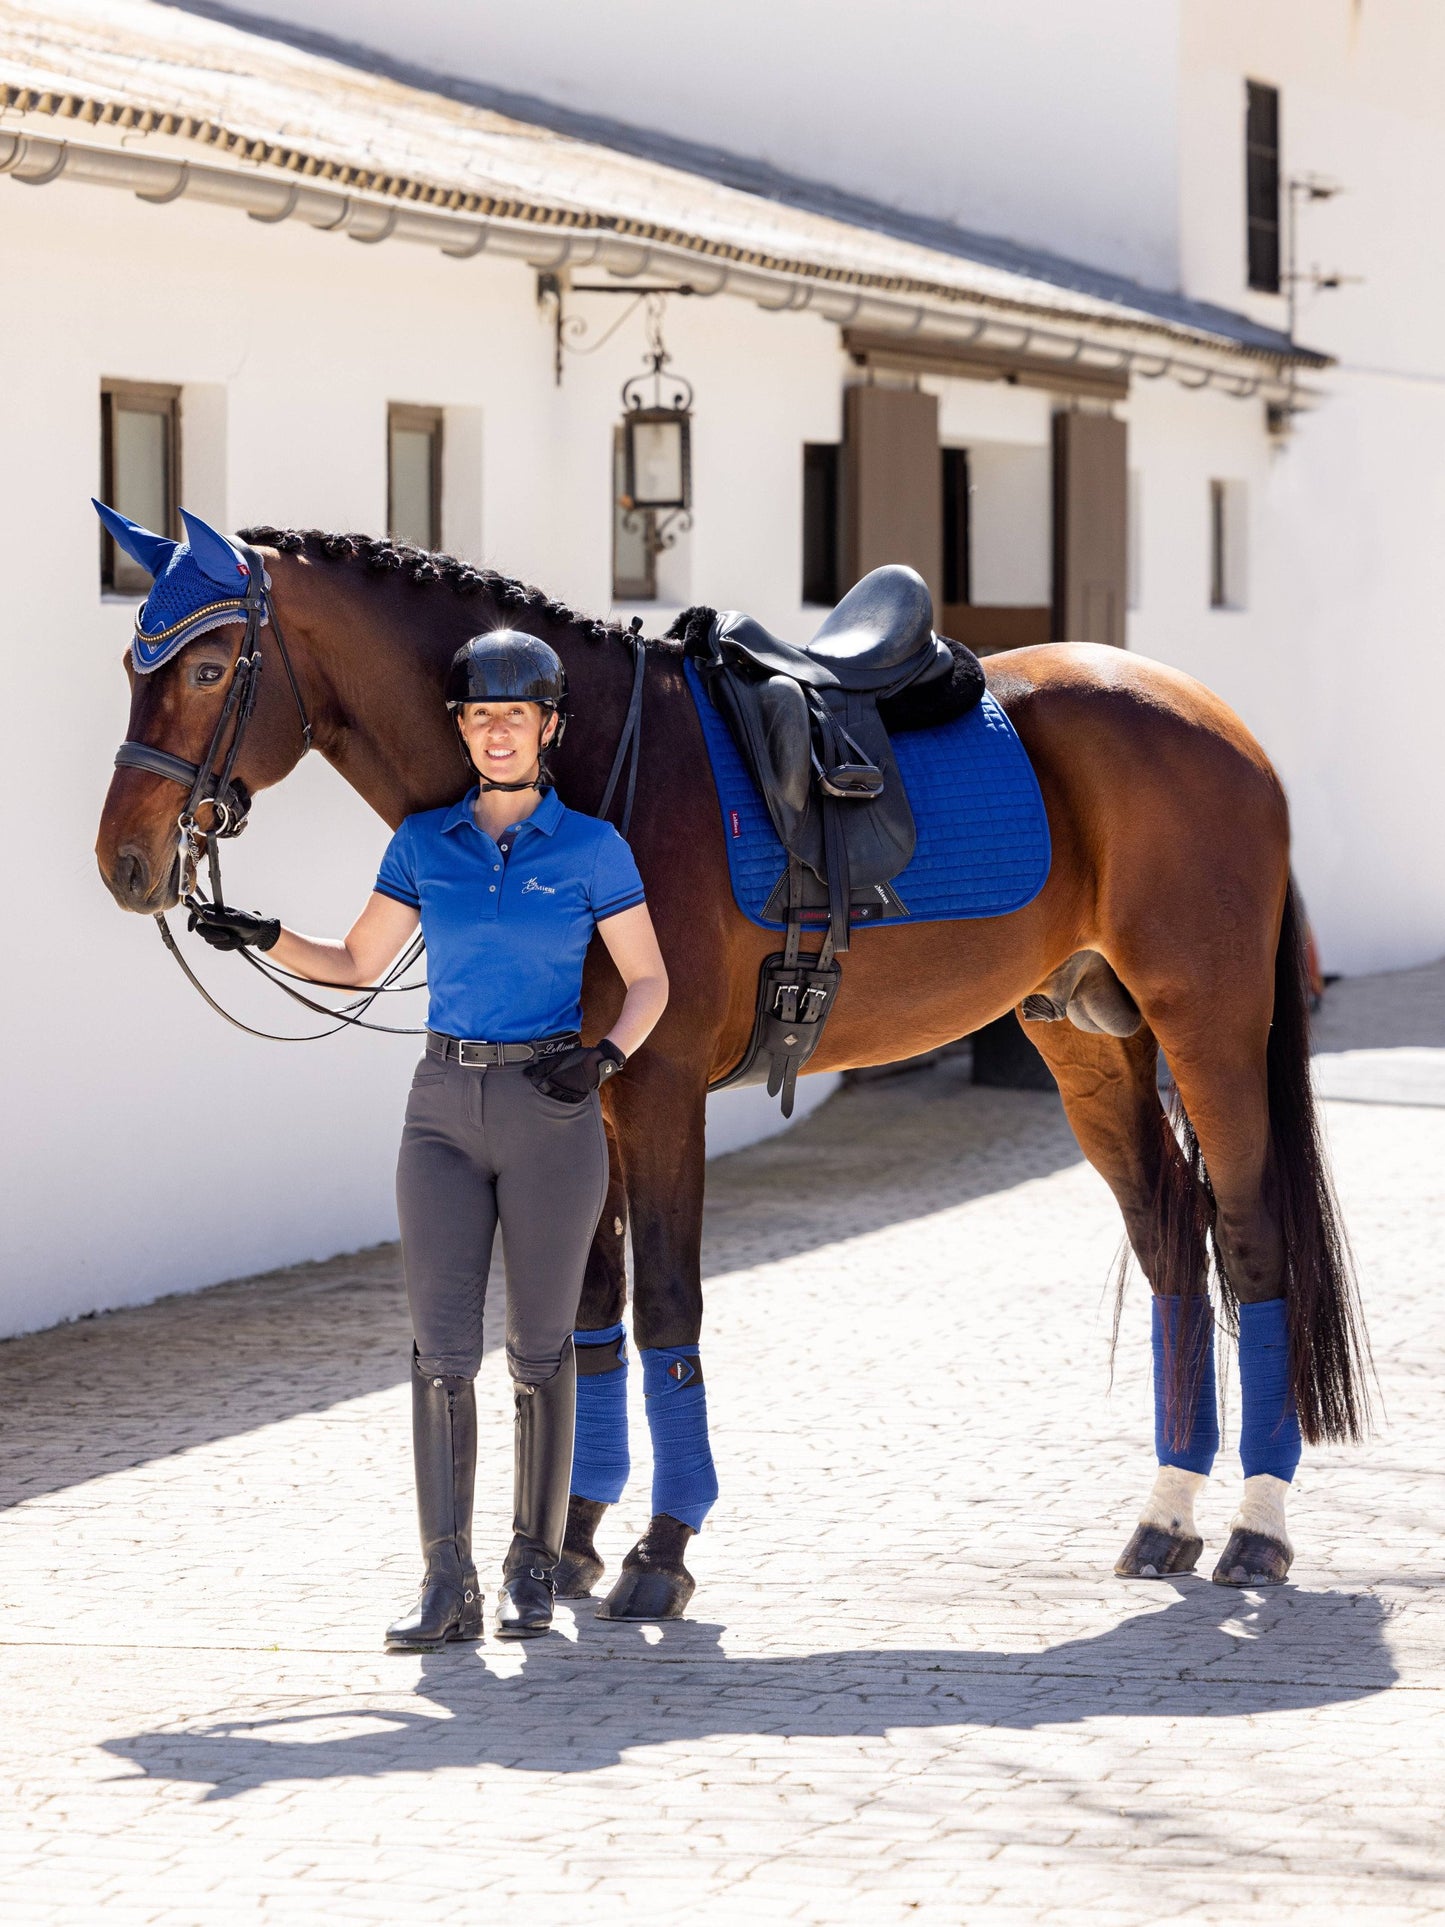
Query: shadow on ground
{"type": "Point", "coordinates": [1208, 1654]}
{"type": "Point", "coordinates": [1398, 1009]}
{"type": "Point", "coordinates": [116, 1391]}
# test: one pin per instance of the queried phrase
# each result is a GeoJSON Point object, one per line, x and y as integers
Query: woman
{"type": "Point", "coordinates": [503, 1124]}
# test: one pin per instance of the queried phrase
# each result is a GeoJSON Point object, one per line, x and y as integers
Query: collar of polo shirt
{"type": "Point", "coordinates": [546, 816]}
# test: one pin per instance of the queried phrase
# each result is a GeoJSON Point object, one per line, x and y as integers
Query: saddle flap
{"type": "Point", "coordinates": [772, 728]}
{"type": "Point", "coordinates": [879, 833]}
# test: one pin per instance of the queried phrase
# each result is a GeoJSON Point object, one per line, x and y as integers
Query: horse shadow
{"type": "Point", "coordinates": [579, 1707]}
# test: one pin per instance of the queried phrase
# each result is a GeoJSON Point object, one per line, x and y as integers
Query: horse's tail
{"type": "Point", "coordinates": [1329, 1352]}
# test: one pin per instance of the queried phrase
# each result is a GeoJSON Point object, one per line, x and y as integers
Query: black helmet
{"type": "Point", "coordinates": [509, 666]}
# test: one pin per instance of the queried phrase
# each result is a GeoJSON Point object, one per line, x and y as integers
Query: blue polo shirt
{"type": "Point", "coordinates": [507, 923]}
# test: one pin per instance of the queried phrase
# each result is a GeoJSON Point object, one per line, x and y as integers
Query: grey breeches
{"type": "Point", "coordinates": [483, 1148]}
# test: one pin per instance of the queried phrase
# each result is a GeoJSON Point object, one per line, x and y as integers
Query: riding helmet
{"type": "Point", "coordinates": [509, 666]}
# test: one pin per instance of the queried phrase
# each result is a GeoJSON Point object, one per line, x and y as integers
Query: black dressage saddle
{"type": "Point", "coordinates": [812, 725]}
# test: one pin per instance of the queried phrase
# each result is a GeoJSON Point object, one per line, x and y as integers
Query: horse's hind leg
{"type": "Point", "coordinates": [1109, 1088]}
{"type": "Point", "coordinates": [1220, 1070]}
{"type": "Point", "coordinates": [601, 1460]}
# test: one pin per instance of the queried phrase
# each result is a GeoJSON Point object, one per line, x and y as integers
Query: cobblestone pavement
{"type": "Point", "coordinates": [910, 1689]}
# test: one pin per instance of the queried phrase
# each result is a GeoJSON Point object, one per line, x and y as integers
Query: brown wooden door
{"type": "Point", "coordinates": [892, 484]}
{"type": "Point", "coordinates": [1091, 521]}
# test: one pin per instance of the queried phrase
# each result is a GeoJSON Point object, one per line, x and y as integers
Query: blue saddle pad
{"type": "Point", "coordinates": [983, 833]}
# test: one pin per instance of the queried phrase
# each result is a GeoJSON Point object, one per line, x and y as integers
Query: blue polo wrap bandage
{"type": "Point", "coordinates": [1269, 1434]}
{"type": "Point", "coordinates": [1201, 1441]}
{"type": "Point", "coordinates": [684, 1481]}
{"type": "Point", "coordinates": [600, 1458]}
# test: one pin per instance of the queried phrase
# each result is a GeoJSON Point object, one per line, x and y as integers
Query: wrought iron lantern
{"type": "Point", "coordinates": [657, 444]}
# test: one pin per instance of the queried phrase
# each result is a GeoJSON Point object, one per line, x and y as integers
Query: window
{"type": "Point", "coordinates": [1261, 184]}
{"type": "Point", "coordinates": [1228, 551]}
{"type": "Point", "coordinates": [634, 560]}
{"type": "Point", "coordinates": [139, 471]}
{"type": "Point", "coordinates": [957, 587]}
{"type": "Point", "coordinates": [820, 522]}
{"type": "Point", "coordinates": [414, 475]}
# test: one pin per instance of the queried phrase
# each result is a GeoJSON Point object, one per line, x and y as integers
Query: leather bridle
{"type": "Point", "coordinates": [212, 783]}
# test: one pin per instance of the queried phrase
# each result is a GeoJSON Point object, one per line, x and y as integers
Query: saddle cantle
{"type": "Point", "coordinates": [811, 725]}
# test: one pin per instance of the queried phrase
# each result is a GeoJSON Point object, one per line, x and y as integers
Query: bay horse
{"type": "Point", "coordinates": [1168, 921]}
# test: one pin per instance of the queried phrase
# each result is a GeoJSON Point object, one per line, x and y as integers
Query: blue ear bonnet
{"type": "Point", "coordinates": [199, 584]}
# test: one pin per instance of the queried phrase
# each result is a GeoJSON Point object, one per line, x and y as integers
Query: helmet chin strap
{"type": "Point", "coordinates": [539, 782]}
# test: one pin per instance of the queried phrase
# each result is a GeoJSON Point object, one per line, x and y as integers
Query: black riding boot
{"type": "Point", "coordinates": [546, 1420]}
{"type": "Point", "coordinates": [444, 1444]}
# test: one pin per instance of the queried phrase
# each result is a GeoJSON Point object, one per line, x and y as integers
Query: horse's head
{"type": "Point", "coordinates": [188, 670]}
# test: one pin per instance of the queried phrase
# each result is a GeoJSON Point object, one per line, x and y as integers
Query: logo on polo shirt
{"type": "Point", "coordinates": [546, 889]}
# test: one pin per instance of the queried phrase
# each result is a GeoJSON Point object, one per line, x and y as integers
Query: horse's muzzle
{"type": "Point", "coordinates": [136, 885]}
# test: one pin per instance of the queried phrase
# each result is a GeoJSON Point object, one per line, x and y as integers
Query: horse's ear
{"type": "Point", "coordinates": [151, 551]}
{"type": "Point", "coordinates": [212, 553]}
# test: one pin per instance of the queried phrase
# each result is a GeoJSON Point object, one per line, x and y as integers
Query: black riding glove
{"type": "Point", "coordinates": [572, 1075]}
{"type": "Point", "coordinates": [226, 929]}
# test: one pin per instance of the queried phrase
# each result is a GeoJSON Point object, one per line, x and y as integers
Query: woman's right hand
{"type": "Point", "coordinates": [226, 929]}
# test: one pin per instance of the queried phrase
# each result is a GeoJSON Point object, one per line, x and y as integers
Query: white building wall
{"type": "Point", "coordinates": [1337, 662]}
{"type": "Point", "coordinates": [147, 1147]}
{"type": "Point", "coordinates": [1051, 124]}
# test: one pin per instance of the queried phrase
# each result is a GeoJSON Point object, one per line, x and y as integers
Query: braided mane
{"type": "Point", "coordinates": [383, 557]}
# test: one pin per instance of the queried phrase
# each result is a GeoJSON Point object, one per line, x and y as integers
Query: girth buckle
{"type": "Point", "coordinates": [785, 1001]}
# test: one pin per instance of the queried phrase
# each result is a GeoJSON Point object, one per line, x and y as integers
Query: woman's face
{"type": "Point", "coordinates": [504, 739]}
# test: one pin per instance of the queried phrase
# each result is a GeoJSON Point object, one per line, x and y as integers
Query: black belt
{"type": "Point", "coordinates": [477, 1054]}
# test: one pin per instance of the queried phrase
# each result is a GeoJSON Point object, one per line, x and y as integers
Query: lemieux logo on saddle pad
{"type": "Point", "coordinates": [983, 833]}
{"type": "Point", "coordinates": [199, 584]}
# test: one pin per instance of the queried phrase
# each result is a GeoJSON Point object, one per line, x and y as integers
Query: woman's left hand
{"type": "Point", "coordinates": [572, 1075]}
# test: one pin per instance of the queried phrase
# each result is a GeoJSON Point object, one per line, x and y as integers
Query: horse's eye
{"type": "Point", "coordinates": [209, 672]}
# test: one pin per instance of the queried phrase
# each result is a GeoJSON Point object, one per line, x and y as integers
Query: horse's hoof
{"type": "Point", "coordinates": [653, 1582]}
{"type": "Point", "coordinates": [580, 1568]}
{"type": "Point", "coordinates": [1253, 1559]}
{"type": "Point", "coordinates": [1154, 1553]}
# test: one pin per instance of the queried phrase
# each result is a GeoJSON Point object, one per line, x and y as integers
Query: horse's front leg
{"type": "Point", "coordinates": [601, 1460]}
{"type": "Point", "coordinates": [660, 1118]}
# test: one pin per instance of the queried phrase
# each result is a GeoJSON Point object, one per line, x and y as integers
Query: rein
{"type": "Point", "coordinates": [212, 782]}
{"type": "Point", "coordinates": [631, 736]}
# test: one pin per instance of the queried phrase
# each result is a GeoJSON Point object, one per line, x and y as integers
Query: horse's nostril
{"type": "Point", "coordinates": [130, 878]}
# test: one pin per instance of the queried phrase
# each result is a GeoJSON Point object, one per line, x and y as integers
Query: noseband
{"type": "Point", "coordinates": [212, 781]}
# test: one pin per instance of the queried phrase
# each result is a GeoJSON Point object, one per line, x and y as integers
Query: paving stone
{"type": "Point", "coordinates": [910, 1689]}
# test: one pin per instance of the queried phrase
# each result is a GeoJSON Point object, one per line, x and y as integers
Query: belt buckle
{"type": "Point", "coordinates": [469, 1054]}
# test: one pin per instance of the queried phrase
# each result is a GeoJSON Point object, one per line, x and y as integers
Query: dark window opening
{"type": "Point", "coordinates": [139, 471]}
{"type": "Point", "coordinates": [414, 475]}
{"type": "Point", "coordinates": [1261, 184]}
{"type": "Point", "coordinates": [957, 584]}
{"type": "Point", "coordinates": [820, 522]}
{"type": "Point", "coordinates": [634, 555]}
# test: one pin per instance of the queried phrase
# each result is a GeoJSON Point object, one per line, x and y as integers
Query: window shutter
{"type": "Point", "coordinates": [1091, 521]}
{"type": "Point", "coordinates": [892, 484]}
